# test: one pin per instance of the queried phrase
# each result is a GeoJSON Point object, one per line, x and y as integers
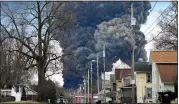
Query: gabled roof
{"type": "Point", "coordinates": [139, 67]}
{"type": "Point", "coordinates": [163, 56]}
{"type": "Point", "coordinates": [168, 72]}
{"type": "Point", "coordinates": [120, 65]}
{"type": "Point", "coordinates": [119, 73]}
{"type": "Point", "coordinates": [143, 67]}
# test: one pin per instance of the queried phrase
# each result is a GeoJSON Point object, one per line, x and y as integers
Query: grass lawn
{"type": "Point", "coordinates": [22, 102]}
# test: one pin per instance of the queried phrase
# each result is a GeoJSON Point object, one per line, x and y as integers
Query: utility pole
{"type": "Point", "coordinates": [132, 53]}
{"type": "Point", "coordinates": [0, 47]}
{"type": "Point", "coordinates": [177, 13]}
{"type": "Point", "coordinates": [97, 75]}
{"type": "Point", "coordinates": [85, 90]}
{"type": "Point", "coordinates": [91, 82]}
{"type": "Point", "coordinates": [88, 85]}
{"type": "Point", "coordinates": [104, 74]}
{"type": "Point", "coordinates": [133, 79]}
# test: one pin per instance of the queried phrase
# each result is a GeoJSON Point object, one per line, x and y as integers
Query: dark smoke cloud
{"type": "Point", "coordinates": [118, 38]}
{"type": "Point", "coordinates": [83, 41]}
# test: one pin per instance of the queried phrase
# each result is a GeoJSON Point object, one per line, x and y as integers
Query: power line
{"type": "Point", "coordinates": [154, 6]}
{"type": "Point", "coordinates": [160, 32]}
{"type": "Point", "coordinates": [157, 18]}
{"type": "Point", "coordinates": [156, 25]}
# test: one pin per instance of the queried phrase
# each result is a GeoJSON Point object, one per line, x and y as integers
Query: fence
{"type": "Point", "coordinates": [5, 92]}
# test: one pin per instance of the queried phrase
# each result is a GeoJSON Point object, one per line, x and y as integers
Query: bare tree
{"type": "Point", "coordinates": [32, 27]}
{"type": "Point", "coordinates": [12, 72]}
{"type": "Point", "coordinates": [168, 37]}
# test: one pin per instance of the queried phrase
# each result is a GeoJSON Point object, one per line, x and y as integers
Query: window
{"type": "Point", "coordinates": [149, 93]}
{"type": "Point", "coordinates": [149, 78]}
{"type": "Point", "coordinates": [114, 87]}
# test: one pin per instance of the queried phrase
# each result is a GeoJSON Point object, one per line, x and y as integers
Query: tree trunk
{"type": "Point", "coordinates": [41, 80]}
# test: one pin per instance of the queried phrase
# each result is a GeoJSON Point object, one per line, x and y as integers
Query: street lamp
{"type": "Point", "coordinates": [88, 85]}
{"type": "Point", "coordinates": [92, 80]}
{"type": "Point", "coordinates": [97, 73]}
{"type": "Point", "coordinates": [97, 62]}
{"type": "Point", "coordinates": [84, 81]}
{"type": "Point", "coordinates": [104, 55]}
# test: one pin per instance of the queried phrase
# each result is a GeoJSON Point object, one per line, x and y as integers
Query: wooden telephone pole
{"type": "Point", "coordinates": [0, 48]}
{"type": "Point", "coordinates": [132, 53]}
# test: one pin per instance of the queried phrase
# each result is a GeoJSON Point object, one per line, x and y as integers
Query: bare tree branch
{"type": "Point", "coordinates": [30, 22]}
{"type": "Point", "coordinates": [22, 53]}
{"type": "Point", "coordinates": [53, 74]}
{"type": "Point", "coordinates": [31, 66]}
{"type": "Point", "coordinates": [10, 36]}
{"type": "Point", "coordinates": [56, 57]}
{"type": "Point", "coordinates": [37, 50]}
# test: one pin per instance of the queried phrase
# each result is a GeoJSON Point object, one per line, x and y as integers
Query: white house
{"type": "Point", "coordinates": [107, 87]}
{"type": "Point", "coordinates": [164, 71]}
{"type": "Point", "coordinates": [16, 91]}
{"type": "Point", "coordinates": [107, 80]}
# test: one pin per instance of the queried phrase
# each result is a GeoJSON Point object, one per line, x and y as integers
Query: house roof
{"type": "Point", "coordinates": [120, 65]}
{"type": "Point", "coordinates": [142, 67]}
{"type": "Point", "coordinates": [139, 67]}
{"type": "Point", "coordinates": [168, 71]}
{"type": "Point", "coordinates": [119, 73]}
{"type": "Point", "coordinates": [164, 56]}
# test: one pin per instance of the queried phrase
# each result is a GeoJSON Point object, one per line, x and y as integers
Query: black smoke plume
{"type": "Point", "coordinates": [83, 41]}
